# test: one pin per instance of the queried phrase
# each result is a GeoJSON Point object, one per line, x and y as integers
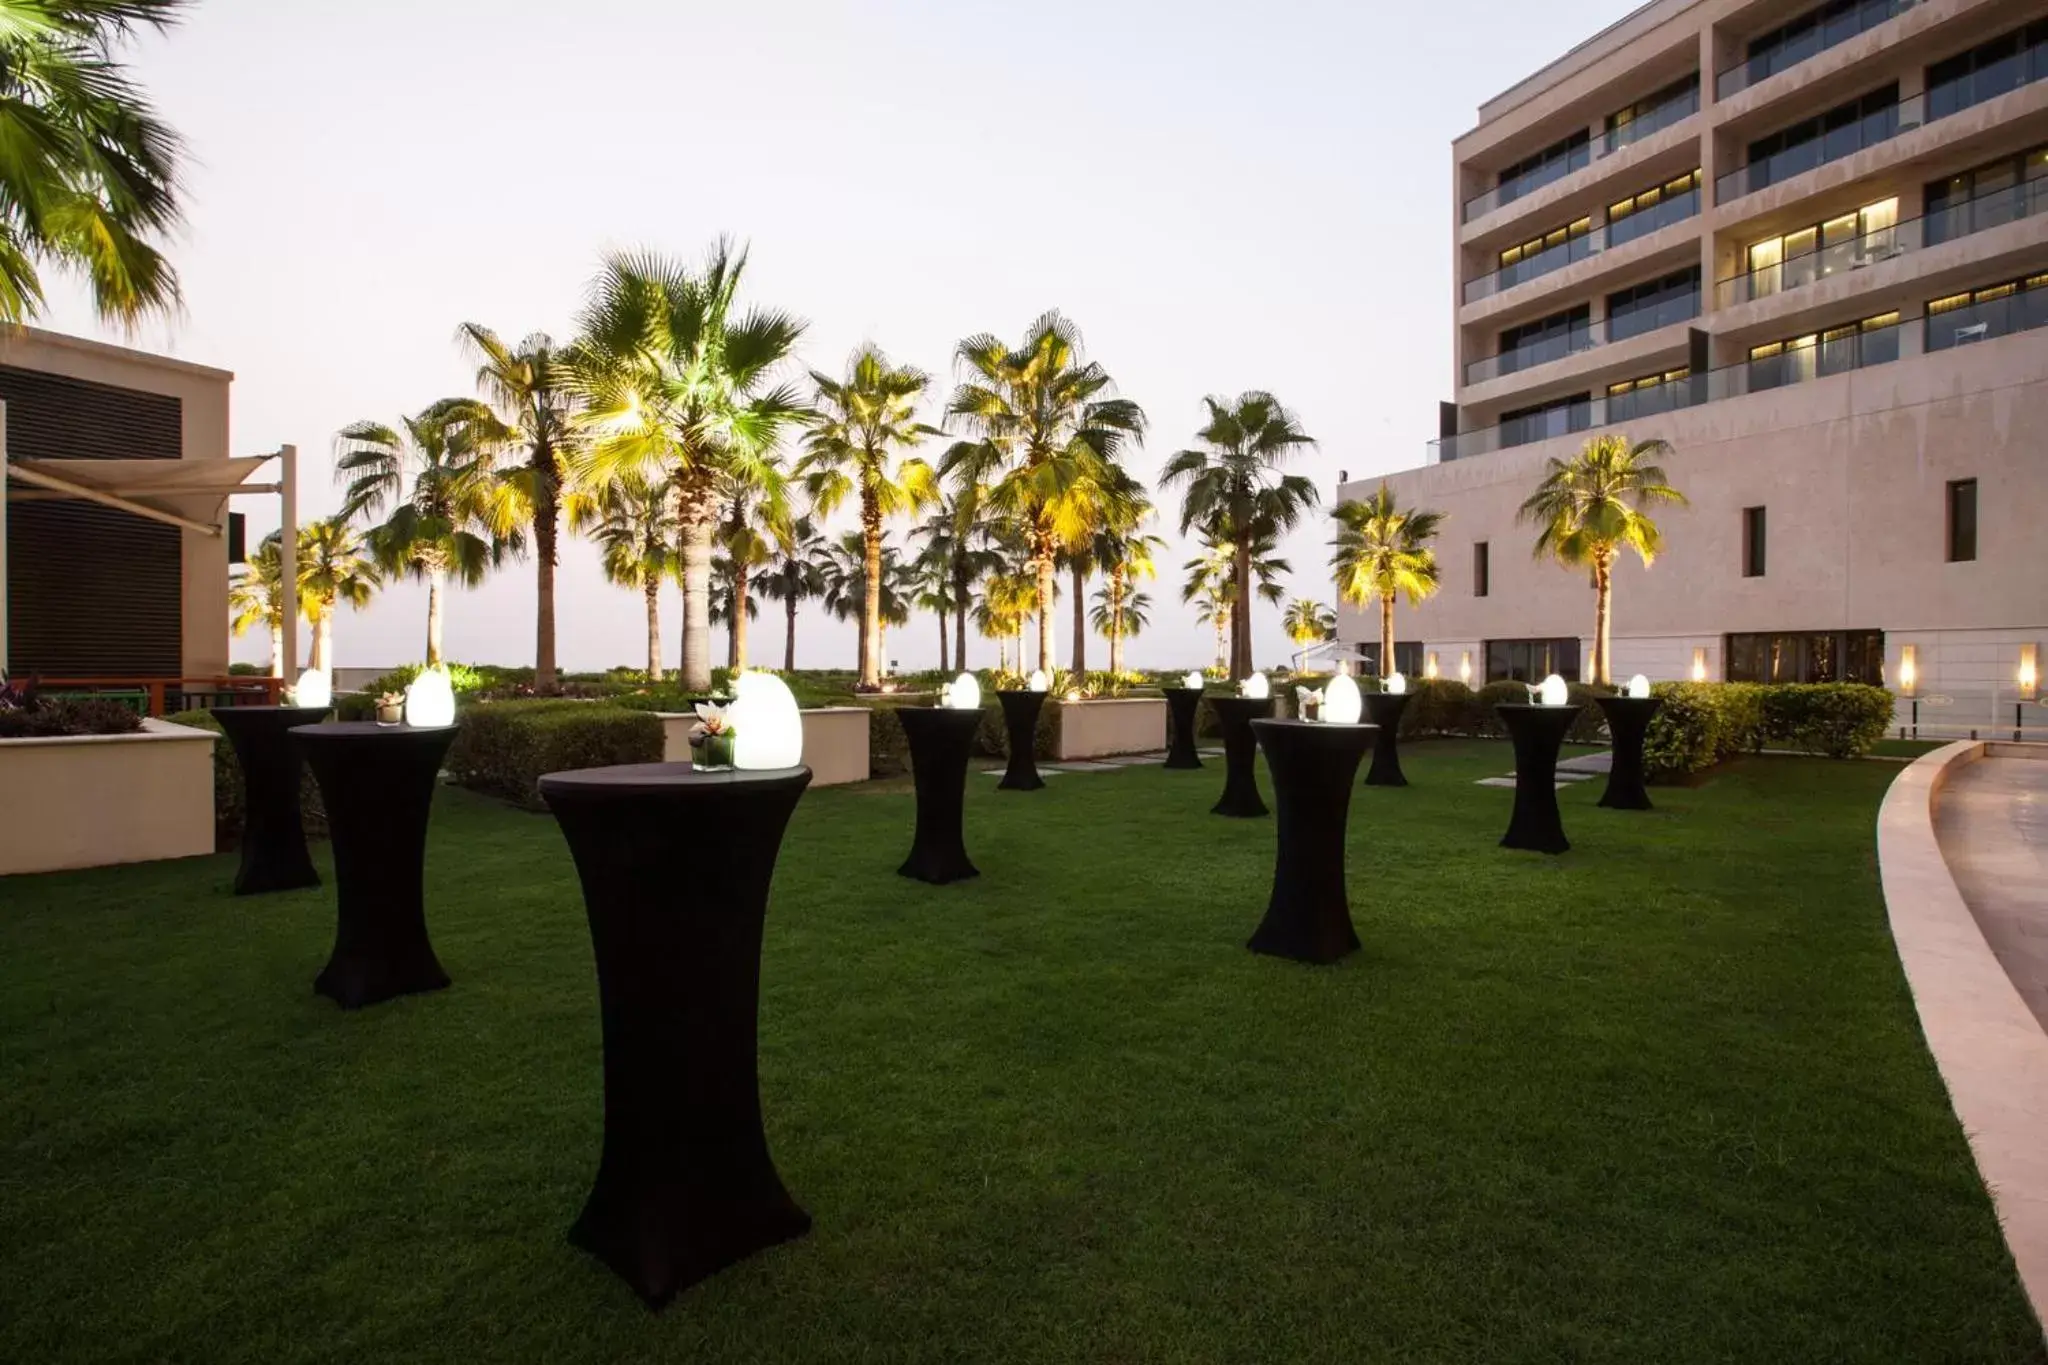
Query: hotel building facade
{"type": "Point", "coordinates": [1808, 248]}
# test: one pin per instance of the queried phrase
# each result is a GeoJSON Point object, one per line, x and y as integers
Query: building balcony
{"type": "Point", "coordinates": [1589, 177]}
{"type": "Point", "coordinates": [1824, 35]}
{"type": "Point", "coordinates": [1642, 234]}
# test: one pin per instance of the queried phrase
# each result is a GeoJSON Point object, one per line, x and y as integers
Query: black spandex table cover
{"type": "Point", "coordinates": [1240, 749]}
{"type": "Point", "coordinates": [685, 1186]}
{"type": "Point", "coordinates": [1384, 710]}
{"type": "Point", "coordinates": [377, 783]}
{"type": "Point", "coordinates": [1313, 765]}
{"type": "Point", "coordinates": [1538, 733]}
{"type": "Point", "coordinates": [1628, 720]}
{"type": "Point", "coordinates": [1020, 718]}
{"type": "Point", "coordinates": [274, 856]}
{"type": "Point", "coordinates": [940, 739]}
{"type": "Point", "coordinates": [1181, 706]}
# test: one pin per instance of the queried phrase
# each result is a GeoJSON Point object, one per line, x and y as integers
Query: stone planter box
{"type": "Point", "coordinates": [835, 742]}
{"type": "Point", "coordinates": [96, 800]}
{"type": "Point", "coordinates": [1116, 725]}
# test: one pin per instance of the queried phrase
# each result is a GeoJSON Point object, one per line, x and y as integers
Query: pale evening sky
{"type": "Point", "coordinates": [1222, 197]}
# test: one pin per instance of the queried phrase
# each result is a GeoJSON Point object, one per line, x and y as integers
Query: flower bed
{"type": "Point", "coordinates": [95, 800]}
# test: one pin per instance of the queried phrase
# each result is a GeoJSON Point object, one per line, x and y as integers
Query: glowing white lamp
{"type": "Point", "coordinates": [315, 689]}
{"type": "Point", "coordinates": [1192, 681]}
{"type": "Point", "coordinates": [767, 729]}
{"type": "Point", "coordinates": [1553, 692]}
{"type": "Point", "coordinates": [430, 701]}
{"type": "Point", "coordinates": [1343, 704]}
{"type": "Point", "coordinates": [1038, 682]}
{"type": "Point", "coordinates": [1639, 687]}
{"type": "Point", "coordinates": [1394, 683]}
{"type": "Point", "coordinates": [963, 693]}
{"type": "Point", "coordinates": [1255, 687]}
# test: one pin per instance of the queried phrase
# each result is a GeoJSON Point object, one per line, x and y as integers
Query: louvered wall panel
{"type": "Point", "coordinates": [91, 591]}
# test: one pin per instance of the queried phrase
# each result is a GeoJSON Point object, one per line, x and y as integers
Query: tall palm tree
{"type": "Point", "coordinates": [334, 568]}
{"type": "Point", "coordinates": [435, 472]}
{"type": "Point", "coordinates": [527, 386]}
{"type": "Point", "coordinates": [1381, 552]}
{"type": "Point", "coordinates": [1211, 585]}
{"type": "Point", "coordinates": [1006, 602]}
{"type": "Point", "coordinates": [1590, 508]}
{"type": "Point", "coordinates": [1117, 617]}
{"type": "Point", "coordinates": [956, 538]}
{"type": "Point", "coordinates": [1123, 552]}
{"type": "Point", "coordinates": [1308, 623]}
{"type": "Point", "coordinates": [932, 582]}
{"type": "Point", "coordinates": [744, 550]}
{"type": "Point", "coordinates": [796, 572]}
{"type": "Point", "coordinates": [846, 584]}
{"type": "Point", "coordinates": [89, 181]}
{"type": "Point", "coordinates": [256, 596]}
{"type": "Point", "coordinates": [677, 386]}
{"type": "Point", "coordinates": [1047, 433]}
{"type": "Point", "coordinates": [634, 525]}
{"type": "Point", "coordinates": [863, 421]}
{"type": "Point", "coordinates": [1232, 488]}
{"type": "Point", "coordinates": [731, 607]}
{"type": "Point", "coordinates": [1123, 503]}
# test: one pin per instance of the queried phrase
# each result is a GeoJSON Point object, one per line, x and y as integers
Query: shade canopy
{"type": "Point", "coordinates": [192, 494]}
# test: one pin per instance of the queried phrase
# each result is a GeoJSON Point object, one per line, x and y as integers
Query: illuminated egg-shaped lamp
{"type": "Point", "coordinates": [1038, 682]}
{"type": "Point", "coordinates": [1553, 692]}
{"type": "Point", "coordinates": [430, 701]}
{"type": "Point", "coordinates": [767, 728]}
{"type": "Point", "coordinates": [1639, 686]}
{"type": "Point", "coordinates": [964, 693]}
{"type": "Point", "coordinates": [1193, 682]}
{"type": "Point", "coordinates": [1395, 684]}
{"type": "Point", "coordinates": [1342, 702]}
{"type": "Point", "coordinates": [1255, 687]}
{"type": "Point", "coordinates": [315, 690]}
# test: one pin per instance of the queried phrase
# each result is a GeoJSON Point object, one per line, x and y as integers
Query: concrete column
{"type": "Point", "coordinates": [3, 540]}
{"type": "Point", "coordinates": [288, 499]}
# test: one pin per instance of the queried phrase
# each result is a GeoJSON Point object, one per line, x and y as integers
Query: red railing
{"type": "Point", "coordinates": [189, 693]}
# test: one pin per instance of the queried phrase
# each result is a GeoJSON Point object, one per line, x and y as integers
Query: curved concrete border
{"type": "Point", "coordinates": [1991, 1050]}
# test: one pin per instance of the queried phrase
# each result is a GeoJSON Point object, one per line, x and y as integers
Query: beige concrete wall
{"type": "Point", "coordinates": [96, 800]}
{"type": "Point", "coordinates": [835, 742]}
{"type": "Point", "coordinates": [1116, 725]}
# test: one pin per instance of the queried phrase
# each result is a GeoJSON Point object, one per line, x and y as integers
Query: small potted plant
{"type": "Point", "coordinates": [390, 708]}
{"type": "Point", "coordinates": [711, 738]}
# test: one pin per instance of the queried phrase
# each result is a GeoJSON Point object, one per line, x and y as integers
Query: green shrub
{"type": "Point", "coordinates": [54, 717]}
{"type": "Point", "coordinates": [504, 747]}
{"type": "Point", "coordinates": [1699, 725]}
{"type": "Point", "coordinates": [1480, 718]}
{"type": "Point", "coordinates": [888, 749]}
{"type": "Point", "coordinates": [993, 738]}
{"type": "Point", "coordinates": [1440, 707]}
{"type": "Point", "coordinates": [1839, 720]}
{"type": "Point", "coordinates": [460, 676]}
{"type": "Point", "coordinates": [230, 796]}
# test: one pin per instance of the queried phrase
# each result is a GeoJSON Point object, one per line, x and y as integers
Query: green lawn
{"type": "Point", "coordinates": [1661, 1100]}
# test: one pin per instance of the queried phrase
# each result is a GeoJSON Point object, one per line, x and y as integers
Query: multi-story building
{"type": "Point", "coordinates": [1808, 248]}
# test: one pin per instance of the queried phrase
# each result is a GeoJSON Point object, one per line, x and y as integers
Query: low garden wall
{"type": "Point", "coordinates": [835, 742]}
{"type": "Point", "coordinates": [1111, 725]}
{"type": "Point", "coordinates": [95, 800]}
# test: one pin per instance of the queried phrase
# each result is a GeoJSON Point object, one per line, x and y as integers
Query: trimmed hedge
{"type": "Point", "coordinates": [504, 747]}
{"type": "Point", "coordinates": [993, 739]}
{"type": "Point", "coordinates": [230, 795]}
{"type": "Point", "coordinates": [1839, 720]}
{"type": "Point", "coordinates": [1701, 724]}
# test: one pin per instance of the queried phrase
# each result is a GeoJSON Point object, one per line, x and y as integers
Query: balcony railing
{"type": "Point", "coordinates": [2020, 311]}
{"type": "Point", "coordinates": [1579, 248]}
{"type": "Point", "coordinates": [1980, 214]}
{"type": "Point", "coordinates": [1674, 110]}
{"type": "Point", "coordinates": [161, 696]}
{"type": "Point", "coordinates": [1662, 214]}
{"type": "Point", "coordinates": [1831, 32]}
{"type": "Point", "coordinates": [2023, 67]}
{"type": "Point", "coordinates": [1556, 347]}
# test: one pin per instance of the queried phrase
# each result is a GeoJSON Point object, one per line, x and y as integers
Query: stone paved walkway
{"type": "Point", "coordinates": [1992, 822]}
{"type": "Point", "coordinates": [1108, 763]}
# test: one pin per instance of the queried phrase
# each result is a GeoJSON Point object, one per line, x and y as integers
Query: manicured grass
{"type": "Point", "coordinates": [1907, 748]}
{"type": "Point", "coordinates": [1660, 1100]}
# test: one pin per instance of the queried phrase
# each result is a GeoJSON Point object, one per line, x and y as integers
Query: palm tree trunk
{"type": "Point", "coordinates": [871, 590]}
{"type": "Point", "coordinates": [1221, 662]}
{"type": "Point", "coordinates": [1002, 654]}
{"type": "Point", "coordinates": [434, 618]}
{"type": "Point", "coordinates": [739, 614]}
{"type": "Point", "coordinates": [960, 596]}
{"type": "Point", "coordinates": [1116, 621]}
{"type": "Point", "coordinates": [1603, 612]}
{"type": "Point", "coordinates": [942, 643]}
{"type": "Point", "coordinates": [1048, 585]}
{"type": "Point", "coordinates": [323, 640]}
{"type": "Point", "coordinates": [545, 528]}
{"type": "Point", "coordinates": [1080, 621]}
{"type": "Point", "coordinates": [695, 544]}
{"type": "Point", "coordinates": [789, 638]}
{"type": "Point", "coordinates": [1386, 634]}
{"type": "Point", "coordinates": [653, 594]}
{"type": "Point", "coordinates": [277, 649]}
{"type": "Point", "coordinates": [1241, 615]}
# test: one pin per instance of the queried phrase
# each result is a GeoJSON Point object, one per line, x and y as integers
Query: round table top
{"type": "Point", "coordinates": [1333, 726]}
{"type": "Point", "coordinates": [369, 729]}
{"type": "Point", "coordinates": [1533, 708]}
{"type": "Point", "coordinates": [645, 779]}
{"type": "Point", "coordinates": [252, 712]}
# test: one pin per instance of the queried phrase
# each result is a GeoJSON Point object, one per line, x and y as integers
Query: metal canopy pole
{"type": "Point", "coordinates": [288, 560]}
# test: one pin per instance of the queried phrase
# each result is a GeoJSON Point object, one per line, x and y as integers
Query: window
{"type": "Point", "coordinates": [1981, 314]}
{"type": "Point", "coordinates": [1813, 32]}
{"type": "Point", "coordinates": [1559, 417]}
{"type": "Point", "coordinates": [1554, 162]}
{"type": "Point", "coordinates": [1807, 656]}
{"type": "Point", "coordinates": [1554, 249]}
{"type": "Point", "coordinates": [1815, 141]}
{"type": "Point", "coordinates": [1546, 339]}
{"type": "Point", "coordinates": [1479, 569]}
{"type": "Point", "coordinates": [1649, 395]}
{"type": "Point", "coordinates": [1654, 303]}
{"type": "Point", "coordinates": [1815, 252]}
{"type": "Point", "coordinates": [1987, 196]}
{"type": "Point", "coordinates": [1854, 346]}
{"type": "Point", "coordinates": [1656, 207]}
{"type": "Point", "coordinates": [1531, 661]}
{"type": "Point", "coordinates": [1407, 658]}
{"type": "Point", "coordinates": [1988, 70]}
{"type": "Point", "coordinates": [1752, 542]}
{"type": "Point", "coordinates": [1962, 520]}
{"type": "Point", "coordinates": [1678, 100]}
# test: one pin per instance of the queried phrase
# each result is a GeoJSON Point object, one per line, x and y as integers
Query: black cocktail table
{"type": "Point", "coordinates": [685, 1186]}
{"type": "Point", "coordinates": [377, 783]}
{"type": "Point", "coordinates": [274, 856]}
{"type": "Point", "coordinates": [1020, 719]}
{"type": "Point", "coordinates": [941, 740]}
{"type": "Point", "coordinates": [1384, 709]}
{"type": "Point", "coordinates": [1538, 733]}
{"type": "Point", "coordinates": [1240, 750]}
{"type": "Point", "coordinates": [1182, 703]}
{"type": "Point", "coordinates": [1628, 721]}
{"type": "Point", "coordinates": [1308, 918]}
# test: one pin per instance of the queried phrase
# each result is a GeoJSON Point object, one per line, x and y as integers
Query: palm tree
{"type": "Point", "coordinates": [1123, 552]}
{"type": "Point", "coordinates": [846, 584]}
{"type": "Point", "coordinates": [956, 539]}
{"type": "Point", "coordinates": [634, 525]}
{"type": "Point", "coordinates": [730, 607]}
{"type": "Point", "coordinates": [796, 572]}
{"type": "Point", "coordinates": [1232, 488]}
{"type": "Point", "coordinates": [256, 596]}
{"type": "Point", "coordinates": [334, 567]}
{"type": "Point", "coordinates": [1212, 581]}
{"type": "Point", "coordinates": [1007, 601]}
{"type": "Point", "coordinates": [89, 182]}
{"type": "Point", "coordinates": [1591, 509]}
{"type": "Point", "coordinates": [446, 524]}
{"type": "Point", "coordinates": [1118, 617]}
{"type": "Point", "coordinates": [675, 382]}
{"type": "Point", "coordinates": [1048, 434]}
{"type": "Point", "coordinates": [528, 387]}
{"type": "Point", "coordinates": [932, 582]}
{"type": "Point", "coordinates": [863, 420]}
{"type": "Point", "coordinates": [1382, 551]}
{"type": "Point", "coordinates": [1308, 623]}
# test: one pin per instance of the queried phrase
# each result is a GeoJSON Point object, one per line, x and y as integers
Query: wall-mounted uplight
{"type": "Point", "coordinates": [1909, 668]}
{"type": "Point", "coordinates": [2029, 675]}
{"type": "Point", "coordinates": [767, 728]}
{"type": "Point", "coordinates": [430, 701]}
{"type": "Point", "coordinates": [1465, 667]}
{"type": "Point", "coordinates": [1699, 664]}
{"type": "Point", "coordinates": [1342, 704]}
{"type": "Point", "coordinates": [315, 690]}
{"type": "Point", "coordinates": [1429, 665]}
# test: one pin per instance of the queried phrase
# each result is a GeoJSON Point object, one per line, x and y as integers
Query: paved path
{"type": "Point", "coordinates": [1992, 822]}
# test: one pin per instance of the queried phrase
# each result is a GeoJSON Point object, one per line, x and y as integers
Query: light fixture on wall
{"type": "Point", "coordinates": [2030, 686]}
{"type": "Point", "coordinates": [1699, 663]}
{"type": "Point", "coordinates": [1429, 665]}
{"type": "Point", "coordinates": [1909, 668]}
{"type": "Point", "coordinates": [1465, 667]}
